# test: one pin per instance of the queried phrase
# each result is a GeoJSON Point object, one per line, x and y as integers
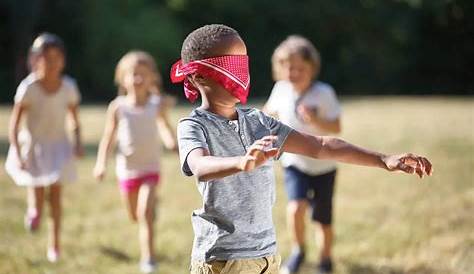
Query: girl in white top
{"type": "Point", "coordinates": [311, 107]}
{"type": "Point", "coordinates": [41, 155]}
{"type": "Point", "coordinates": [135, 119]}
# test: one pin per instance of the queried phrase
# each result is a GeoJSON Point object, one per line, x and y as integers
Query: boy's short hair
{"type": "Point", "coordinates": [200, 43]}
{"type": "Point", "coordinates": [293, 44]}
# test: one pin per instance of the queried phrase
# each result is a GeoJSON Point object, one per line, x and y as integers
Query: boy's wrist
{"type": "Point", "coordinates": [240, 165]}
{"type": "Point", "coordinates": [383, 161]}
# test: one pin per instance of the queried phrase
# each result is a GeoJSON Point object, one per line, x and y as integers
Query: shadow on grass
{"type": "Point", "coordinates": [115, 254]}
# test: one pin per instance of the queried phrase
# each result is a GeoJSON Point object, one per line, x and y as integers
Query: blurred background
{"type": "Point", "coordinates": [367, 46]}
{"type": "Point", "coordinates": [403, 70]}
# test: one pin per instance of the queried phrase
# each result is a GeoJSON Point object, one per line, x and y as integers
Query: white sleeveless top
{"type": "Point", "coordinates": [137, 135]}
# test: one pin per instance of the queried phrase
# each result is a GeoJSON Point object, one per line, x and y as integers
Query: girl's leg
{"type": "Point", "coordinates": [146, 216]}
{"type": "Point", "coordinates": [130, 199]}
{"type": "Point", "coordinates": [55, 214]}
{"type": "Point", "coordinates": [35, 201]}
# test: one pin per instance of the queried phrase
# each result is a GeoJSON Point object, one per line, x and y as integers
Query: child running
{"type": "Point", "coordinates": [309, 106]}
{"type": "Point", "coordinates": [136, 117]}
{"type": "Point", "coordinates": [41, 157]}
{"type": "Point", "coordinates": [230, 151]}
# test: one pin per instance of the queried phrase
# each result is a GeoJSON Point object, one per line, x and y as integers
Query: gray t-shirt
{"type": "Point", "coordinates": [235, 221]}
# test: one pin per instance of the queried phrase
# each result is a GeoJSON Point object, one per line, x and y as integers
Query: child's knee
{"type": "Point", "coordinates": [297, 207]}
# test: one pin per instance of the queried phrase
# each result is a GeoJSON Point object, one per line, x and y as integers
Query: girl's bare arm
{"type": "Point", "coordinates": [106, 141]}
{"type": "Point", "coordinates": [76, 125]}
{"type": "Point", "coordinates": [15, 119]}
{"type": "Point", "coordinates": [166, 131]}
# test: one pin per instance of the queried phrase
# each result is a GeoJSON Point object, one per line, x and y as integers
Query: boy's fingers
{"type": "Point", "coordinates": [271, 152]}
{"type": "Point", "coordinates": [270, 138]}
{"type": "Point", "coordinates": [428, 166]}
{"type": "Point", "coordinates": [405, 168]}
{"type": "Point", "coordinates": [255, 148]}
{"type": "Point", "coordinates": [262, 142]}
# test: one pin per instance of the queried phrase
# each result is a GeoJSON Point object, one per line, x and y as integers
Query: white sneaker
{"type": "Point", "coordinates": [148, 266]}
{"type": "Point", "coordinates": [52, 255]}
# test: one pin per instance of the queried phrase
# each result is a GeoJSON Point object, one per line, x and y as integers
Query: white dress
{"type": "Point", "coordinates": [44, 144]}
{"type": "Point", "coordinates": [137, 135]}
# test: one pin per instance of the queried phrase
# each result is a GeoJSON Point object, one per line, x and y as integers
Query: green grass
{"type": "Point", "coordinates": [385, 223]}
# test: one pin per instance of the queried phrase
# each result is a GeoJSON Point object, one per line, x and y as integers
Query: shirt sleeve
{"type": "Point", "coordinates": [330, 105]}
{"type": "Point", "coordinates": [74, 97]}
{"type": "Point", "coordinates": [278, 129]}
{"type": "Point", "coordinates": [191, 135]}
{"type": "Point", "coordinates": [23, 95]}
{"type": "Point", "coordinates": [273, 101]}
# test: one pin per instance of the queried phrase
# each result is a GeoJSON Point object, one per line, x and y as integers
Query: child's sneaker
{"type": "Point", "coordinates": [325, 266]}
{"type": "Point", "coordinates": [52, 255]}
{"type": "Point", "coordinates": [148, 266]}
{"type": "Point", "coordinates": [294, 262]}
{"type": "Point", "coordinates": [32, 220]}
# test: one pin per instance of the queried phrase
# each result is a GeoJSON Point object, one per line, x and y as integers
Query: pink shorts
{"type": "Point", "coordinates": [133, 184]}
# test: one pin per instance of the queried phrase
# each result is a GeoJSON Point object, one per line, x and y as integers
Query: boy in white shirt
{"type": "Point", "coordinates": [309, 106]}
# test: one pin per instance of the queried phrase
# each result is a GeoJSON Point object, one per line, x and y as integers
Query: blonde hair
{"type": "Point", "coordinates": [132, 58]}
{"type": "Point", "coordinates": [293, 45]}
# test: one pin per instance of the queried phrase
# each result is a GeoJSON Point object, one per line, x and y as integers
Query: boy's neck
{"type": "Point", "coordinates": [226, 110]}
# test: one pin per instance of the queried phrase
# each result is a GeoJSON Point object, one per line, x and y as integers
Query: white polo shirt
{"type": "Point", "coordinates": [284, 101]}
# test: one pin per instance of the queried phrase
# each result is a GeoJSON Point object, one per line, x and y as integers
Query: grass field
{"type": "Point", "coordinates": [385, 223]}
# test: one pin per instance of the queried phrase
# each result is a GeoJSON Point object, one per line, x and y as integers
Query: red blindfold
{"type": "Point", "coordinates": [230, 71]}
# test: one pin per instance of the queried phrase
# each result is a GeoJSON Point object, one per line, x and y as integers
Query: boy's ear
{"type": "Point", "coordinates": [196, 79]}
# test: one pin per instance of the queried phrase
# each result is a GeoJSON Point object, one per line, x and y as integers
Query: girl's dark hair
{"type": "Point", "coordinates": [200, 43]}
{"type": "Point", "coordinates": [41, 43]}
{"type": "Point", "coordinates": [46, 40]}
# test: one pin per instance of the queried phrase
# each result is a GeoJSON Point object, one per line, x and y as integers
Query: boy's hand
{"type": "Point", "coordinates": [409, 163]}
{"type": "Point", "coordinates": [99, 172]}
{"type": "Point", "coordinates": [308, 115]}
{"type": "Point", "coordinates": [259, 153]}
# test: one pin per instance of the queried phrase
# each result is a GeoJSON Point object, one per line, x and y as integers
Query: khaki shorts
{"type": "Point", "coordinates": [265, 265]}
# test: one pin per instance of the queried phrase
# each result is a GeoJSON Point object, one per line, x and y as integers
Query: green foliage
{"type": "Point", "coordinates": [367, 46]}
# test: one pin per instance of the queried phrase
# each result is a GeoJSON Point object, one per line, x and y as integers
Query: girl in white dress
{"type": "Point", "coordinates": [136, 118]}
{"type": "Point", "coordinates": [41, 157]}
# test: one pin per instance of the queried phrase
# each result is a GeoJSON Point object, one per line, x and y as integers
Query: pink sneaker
{"type": "Point", "coordinates": [52, 255]}
{"type": "Point", "coordinates": [32, 220]}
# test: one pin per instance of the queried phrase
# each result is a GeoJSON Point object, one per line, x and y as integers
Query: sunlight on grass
{"type": "Point", "coordinates": [385, 223]}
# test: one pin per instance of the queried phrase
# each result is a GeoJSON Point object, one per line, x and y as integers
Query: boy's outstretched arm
{"type": "Point", "coordinates": [332, 148]}
{"type": "Point", "coordinates": [206, 167]}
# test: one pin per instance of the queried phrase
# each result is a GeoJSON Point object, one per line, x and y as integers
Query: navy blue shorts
{"type": "Point", "coordinates": [317, 190]}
